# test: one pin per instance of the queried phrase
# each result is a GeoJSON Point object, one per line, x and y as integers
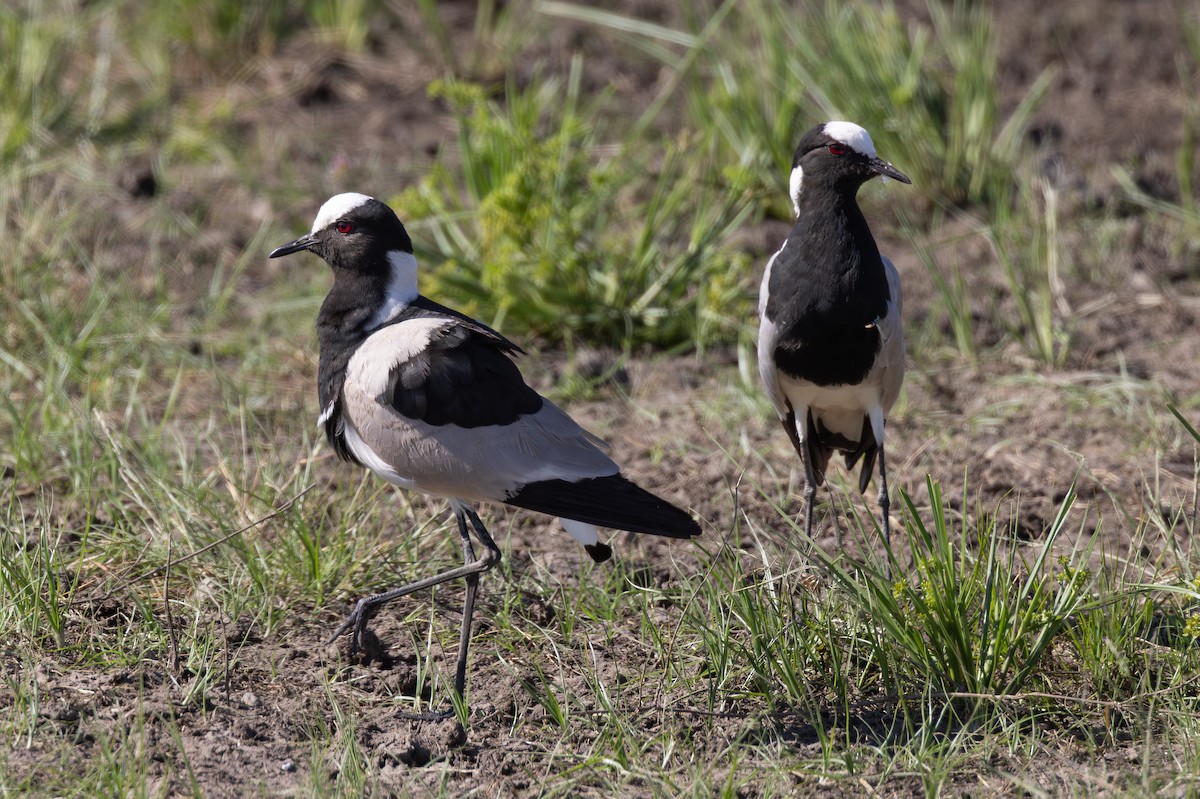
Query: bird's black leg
{"type": "Point", "coordinates": [810, 477]}
{"type": "Point", "coordinates": [464, 635]}
{"type": "Point", "coordinates": [810, 488]}
{"type": "Point", "coordinates": [490, 558]}
{"type": "Point", "coordinates": [356, 621]}
{"type": "Point", "coordinates": [810, 497]}
{"type": "Point", "coordinates": [885, 505]}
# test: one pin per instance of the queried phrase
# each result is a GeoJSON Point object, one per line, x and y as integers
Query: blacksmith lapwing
{"type": "Point", "coordinates": [431, 400]}
{"type": "Point", "coordinates": [830, 343]}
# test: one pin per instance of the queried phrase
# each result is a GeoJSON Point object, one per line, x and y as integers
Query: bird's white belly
{"type": "Point", "coordinates": [839, 408]}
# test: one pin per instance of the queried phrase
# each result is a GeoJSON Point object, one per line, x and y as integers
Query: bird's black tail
{"type": "Point", "coordinates": [612, 502]}
{"type": "Point", "coordinates": [822, 443]}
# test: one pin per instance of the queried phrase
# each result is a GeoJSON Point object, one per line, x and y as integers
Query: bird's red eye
{"type": "Point", "coordinates": [837, 149]}
{"type": "Point", "coordinates": [344, 227]}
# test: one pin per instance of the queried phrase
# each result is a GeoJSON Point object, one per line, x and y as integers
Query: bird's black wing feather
{"type": "Point", "coordinates": [607, 502]}
{"type": "Point", "coordinates": [464, 377]}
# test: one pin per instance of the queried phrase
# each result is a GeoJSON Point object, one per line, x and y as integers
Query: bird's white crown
{"type": "Point", "coordinates": [853, 136]}
{"type": "Point", "coordinates": [338, 206]}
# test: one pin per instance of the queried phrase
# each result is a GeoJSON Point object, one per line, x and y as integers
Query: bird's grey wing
{"type": "Point", "coordinates": [441, 405]}
{"type": "Point", "coordinates": [893, 281]}
{"type": "Point", "coordinates": [768, 337]}
{"type": "Point", "coordinates": [891, 331]}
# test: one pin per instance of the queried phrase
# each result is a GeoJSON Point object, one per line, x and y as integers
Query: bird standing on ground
{"type": "Point", "coordinates": [431, 400]}
{"type": "Point", "coordinates": [830, 344]}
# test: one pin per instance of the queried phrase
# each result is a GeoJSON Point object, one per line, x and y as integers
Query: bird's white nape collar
{"type": "Point", "coordinates": [401, 286]}
{"type": "Point", "coordinates": [336, 207]}
{"type": "Point", "coordinates": [853, 136]}
{"type": "Point", "coordinates": [794, 182]}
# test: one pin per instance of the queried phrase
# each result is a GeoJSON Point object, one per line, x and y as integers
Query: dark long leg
{"type": "Point", "coordinates": [810, 476]}
{"type": "Point", "coordinates": [464, 633]}
{"type": "Point", "coordinates": [491, 557]}
{"type": "Point", "coordinates": [810, 480]}
{"type": "Point", "coordinates": [471, 569]}
{"type": "Point", "coordinates": [810, 498]}
{"type": "Point", "coordinates": [885, 506]}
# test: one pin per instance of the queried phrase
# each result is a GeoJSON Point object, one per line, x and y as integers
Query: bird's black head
{"type": "Point", "coordinates": [839, 156]}
{"type": "Point", "coordinates": [354, 232]}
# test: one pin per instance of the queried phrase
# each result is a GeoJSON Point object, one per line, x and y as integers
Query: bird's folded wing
{"type": "Point", "coordinates": [891, 351]}
{"type": "Point", "coordinates": [440, 402]}
{"type": "Point", "coordinates": [768, 336]}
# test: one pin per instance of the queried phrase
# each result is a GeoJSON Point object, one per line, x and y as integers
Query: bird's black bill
{"type": "Point", "coordinates": [303, 243]}
{"type": "Point", "coordinates": [882, 167]}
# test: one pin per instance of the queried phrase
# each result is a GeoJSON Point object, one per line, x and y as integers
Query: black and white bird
{"type": "Point", "coordinates": [431, 400]}
{"type": "Point", "coordinates": [830, 343]}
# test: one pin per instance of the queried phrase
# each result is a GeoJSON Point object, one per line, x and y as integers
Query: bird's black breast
{"type": "Point", "coordinates": [826, 291]}
{"type": "Point", "coordinates": [331, 374]}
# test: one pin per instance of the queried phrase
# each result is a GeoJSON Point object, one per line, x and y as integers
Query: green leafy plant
{"type": "Point", "coordinates": [567, 237]}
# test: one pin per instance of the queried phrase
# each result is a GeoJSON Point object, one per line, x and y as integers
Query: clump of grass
{"type": "Point", "coordinates": [927, 93]}
{"type": "Point", "coordinates": [31, 577]}
{"type": "Point", "coordinates": [977, 624]}
{"type": "Point", "coordinates": [566, 236]}
{"type": "Point", "coordinates": [958, 629]}
{"type": "Point", "coordinates": [34, 102]}
{"type": "Point", "coordinates": [958, 622]}
{"type": "Point", "coordinates": [952, 289]}
{"type": "Point", "coordinates": [501, 30]}
{"type": "Point", "coordinates": [221, 33]}
{"type": "Point", "coordinates": [1028, 245]}
{"type": "Point", "coordinates": [1184, 215]}
{"type": "Point", "coordinates": [346, 24]}
{"type": "Point", "coordinates": [1107, 637]}
{"type": "Point", "coordinates": [225, 34]}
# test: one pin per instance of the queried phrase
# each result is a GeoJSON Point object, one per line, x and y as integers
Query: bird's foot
{"type": "Point", "coordinates": [362, 640]}
{"type": "Point", "coordinates": [429, 715]}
